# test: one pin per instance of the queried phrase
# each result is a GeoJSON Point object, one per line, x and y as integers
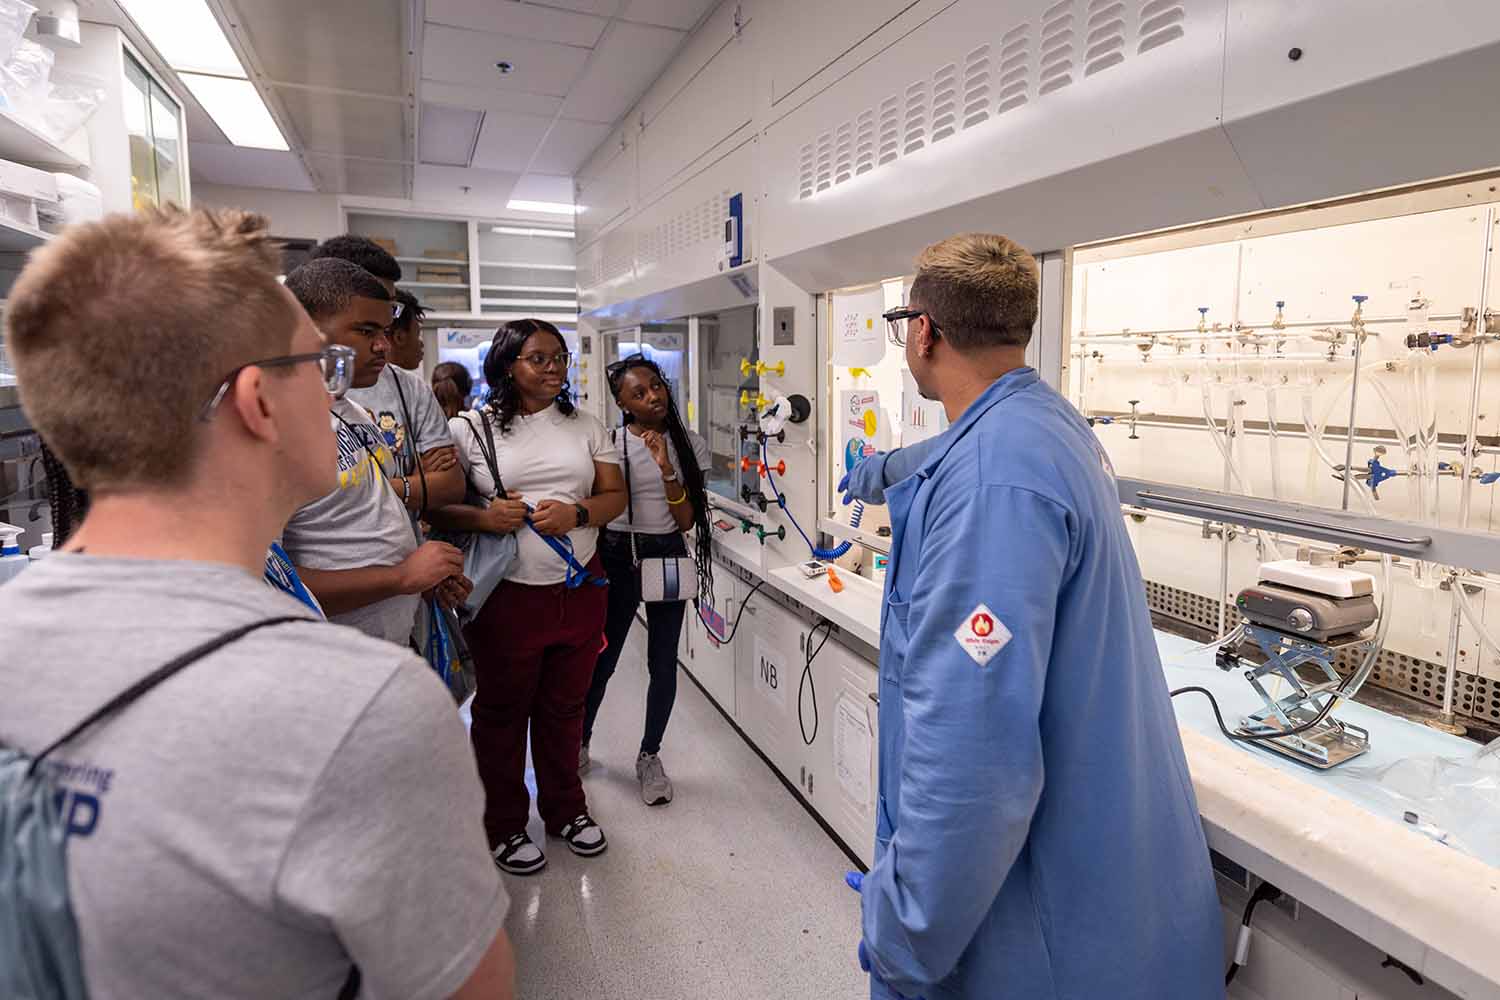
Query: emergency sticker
{"type": "Point", "coordinates": [982, 635]}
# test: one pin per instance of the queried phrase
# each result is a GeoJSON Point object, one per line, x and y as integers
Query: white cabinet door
{"type": "Point", "coordinates": [710, 662]}
{"type": "Point", "coordinates": [841, 762]}
{"type": "Point", "coordinates": [768, 665]}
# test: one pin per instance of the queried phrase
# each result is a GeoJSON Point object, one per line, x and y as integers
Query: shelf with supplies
{"type": "Point", "coordinates": [529, 288]}
{"type": "Point", "coordinates": [23, 143]}
{"type": "Point", "coordinates": [521, 265]}
{"type": "Point", "coordinates": [569, 305]}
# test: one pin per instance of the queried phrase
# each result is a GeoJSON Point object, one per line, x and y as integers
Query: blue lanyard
{"type": "Point", "coordinates": [578, 574]}
{"type": "Point", "coordinates": [282, 575]}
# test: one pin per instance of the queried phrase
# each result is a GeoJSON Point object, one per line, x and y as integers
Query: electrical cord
{"type": "Point", "coordinates": [1265, 893]}
{"type": "Point", "coordinates": [838, 551]}
{"type": "Point", "coordinates": [1257, 737]}
{"type": "Point", "coordinates": [737, 618]}
{"type": "Point", "coordinates": [807, 679]}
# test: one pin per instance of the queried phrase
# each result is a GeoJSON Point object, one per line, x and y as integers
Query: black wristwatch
{"type": "Point", "coordinates": [583, 514]}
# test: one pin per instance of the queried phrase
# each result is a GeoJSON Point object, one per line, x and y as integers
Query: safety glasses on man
{"type": "Point", "coordinates": [338, 373]}
{"type": "Point", "coordinates": [896, 320]}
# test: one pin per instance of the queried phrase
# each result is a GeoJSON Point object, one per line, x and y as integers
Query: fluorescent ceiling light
{"type": "Point", "coordinates": [550, 207]}
{"type": "Point", "coordinates": [566, 234]}
{"type": "Point", "coordinates": [236, 107]}
{"type": "Point", "coordinates": [187, 35]}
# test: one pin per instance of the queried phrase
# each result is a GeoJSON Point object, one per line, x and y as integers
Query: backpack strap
{"type": "Point", "coordinates": [156, 676]}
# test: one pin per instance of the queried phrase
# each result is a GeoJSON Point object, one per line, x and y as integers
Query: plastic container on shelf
{"type": "Point", "coordinates": [40, 552]}
{"type": "Point", "coordinates": [11, 560]}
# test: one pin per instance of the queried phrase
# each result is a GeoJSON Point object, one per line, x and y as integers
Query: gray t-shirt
{"type": "Point", "coordinates": [383, 402]}
{"type": "Point", "coordinates": [647, 490]}
{"type": "Point", "coordinates": [302, 799]}
{"type": "Point", "coordinates": [362, 523]}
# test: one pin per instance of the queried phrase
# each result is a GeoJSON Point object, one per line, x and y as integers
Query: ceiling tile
{"type": "Point", "coordinates": [508, 140]}
{"type": "Point", "coordinates": [337, 175]}
{"type": "Point", "coordinates": [458, 96]}
{"type": "Point", "coordinates": [448, 134]}
{"type": "Point", "coordinates": [235, 166]}
{"type": "Point", "coordinates": [345, 125]}
{"type": "Point", "coordinates": [444, 187]}
{"type": "Point", "coordinates": [544, 187]}
{"type": "Point", "coordinates": [624, 65]}
{"type": "Point", "coordinates": [347, 44]}
{"type": "Point", "coordinates": [453, 55]}
{"type": "Point", "coordinates": [680, 14]}
{"type": "Point", "coordinates": [567, 146]}
{"type": "Point", "coordinates": [520, 20]}
{"type": "Point", "coordinates": [603, 8]}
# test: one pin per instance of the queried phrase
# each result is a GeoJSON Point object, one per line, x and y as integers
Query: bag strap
{"type": "Point", "coordinates": [635, 557]}
{"type": "Point", "coordinates": [151, 680]}
{"type": "Point", "coordinates": [487, 449]}
{"type": "Point", "coordinates": [410, 444]}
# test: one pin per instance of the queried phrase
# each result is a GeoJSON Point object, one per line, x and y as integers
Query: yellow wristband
{"type": "Point", "coordinates": [681, 499]}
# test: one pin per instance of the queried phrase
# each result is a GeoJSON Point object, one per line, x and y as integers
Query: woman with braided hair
{"type": "Point", "coordinates": [663, 463]}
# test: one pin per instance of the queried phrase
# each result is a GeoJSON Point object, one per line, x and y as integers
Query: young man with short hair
{"type": "Point", "coordinates": [356, 548]}
{"type": "Point", "coordinates": [299, 802]}
{"type": "Point", "coordinates": [363, 251]}
{"type": "Point", "coordinates": [400, 401]}
{"type": "Point", "coordinates": [1038, 834]}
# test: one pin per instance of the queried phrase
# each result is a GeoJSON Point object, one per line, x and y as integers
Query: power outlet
{"type": "Point", "coordinates": [784, 326]}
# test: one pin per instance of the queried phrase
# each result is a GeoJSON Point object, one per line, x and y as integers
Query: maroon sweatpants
{"type": "Point", "coordinates": [534, 651]}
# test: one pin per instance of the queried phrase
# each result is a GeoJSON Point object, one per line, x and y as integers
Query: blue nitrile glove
{"type": "Point", "coordinates": [856, 881]}
{"type": "Point", "coordinates": [866, 481]}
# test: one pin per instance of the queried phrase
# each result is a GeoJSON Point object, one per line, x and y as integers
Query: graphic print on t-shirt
{"type": "Point", "coordinates": [392, 430]}
{"type": "Point", "coordinates": [359, 461]}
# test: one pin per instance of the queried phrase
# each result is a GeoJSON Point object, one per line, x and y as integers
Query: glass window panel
{"type": "Point", "coordinates": [144, 188]}
{"type": "Point", "coordinates": [725, 338]}
{"type": "Point", "coordinates": [166, 131]}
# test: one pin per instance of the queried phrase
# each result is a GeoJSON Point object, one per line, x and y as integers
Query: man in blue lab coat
{"type": "Point", "coordinates": [1037, 835]}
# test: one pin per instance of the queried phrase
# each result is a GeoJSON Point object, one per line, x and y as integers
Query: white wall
{"type": "Point", "coordinates": [293, 214]}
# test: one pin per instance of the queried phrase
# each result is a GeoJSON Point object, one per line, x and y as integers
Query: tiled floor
{"type": "Point", "coordinates": [731, 891]}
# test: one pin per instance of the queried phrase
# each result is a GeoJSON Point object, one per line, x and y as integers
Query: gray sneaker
{"type": "Point", "coordinates": [584, 760]}
{"type": "Point", "coordinates": [656, 787]}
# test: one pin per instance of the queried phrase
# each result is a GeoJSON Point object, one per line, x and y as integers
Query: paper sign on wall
{"type": "Point", "coordinates": [920, 418]}
{"type": "Point", "coordinates": [858, 329]}
{"type": "Point", "coordinates": [851, 750]}
{"type": "Point", "coordinates": [772, 676]}
{"type": "Point", "coordinates": [861, 426]}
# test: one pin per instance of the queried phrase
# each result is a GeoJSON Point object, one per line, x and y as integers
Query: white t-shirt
{"type": "Point", "coordinates": [648, 492]}
{"type": "Point", "coordinates": [544, 456]}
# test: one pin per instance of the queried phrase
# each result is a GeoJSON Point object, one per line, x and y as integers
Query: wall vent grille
{"type": "Point", "coordinates": [944, 102]}
{"type": "Point", "coordinates": [1476, 697]}
{"type": "Point", "coordinates": [1071, 41]}
{"type": "Point", "coordinates": [914, 126]}
{"type": "Point", "coordinates": [1015, 68]}
{"type": "Point", "coordinates": [1105, 45]}
{"type": "Point", "coordinates": [864, 143]}
{"type": "Point", "coordinates": [977, 96]}
{"type": "Point", "coordinates": [1161, 22]}
{"type": "Point", "coordinates": [1057, 48]}
{"type": "Point", "coordinates": [843, 153]}
{"type": "Point", "coordinates": [890, 130]}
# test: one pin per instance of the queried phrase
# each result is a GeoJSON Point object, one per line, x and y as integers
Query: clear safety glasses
{"type": "Point", "coordinates": [896, 320]}
{"type": "Point", "coordinates": [336, 362]}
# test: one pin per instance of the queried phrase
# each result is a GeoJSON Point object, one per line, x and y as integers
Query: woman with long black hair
{"type": "Point", "coordinates": [535, 640]}
{"type": "Point", "coordinates": [663, 463]}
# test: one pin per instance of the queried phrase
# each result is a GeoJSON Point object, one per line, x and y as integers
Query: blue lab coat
{"type": "Point", "coordinates": [1037, 835]}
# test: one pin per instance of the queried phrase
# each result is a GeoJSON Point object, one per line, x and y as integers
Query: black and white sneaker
{"type": "Point", "coordinates": [583, 837]}
{"type": "Point", "coordinates": [518, 855]}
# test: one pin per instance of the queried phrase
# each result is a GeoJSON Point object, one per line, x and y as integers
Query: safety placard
{"type": "Point", "coordinates": [851, 750]}
{"type": "Point", "coordinates": [860, 425]}
{"type": "Point", "coordinates": [920, 418]}
{"type": "Point", "coordinates": [773, 678]}
{"type": "Point", "coordinates": [858, 329]}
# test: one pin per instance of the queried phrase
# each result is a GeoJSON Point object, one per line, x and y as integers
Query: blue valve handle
{"type": "Point", "coordinates": [1489, 477]}
{"type": "Point", "coordinates": [1378, 474]}
{"type": "Point", "coordinates": [1360, 300]}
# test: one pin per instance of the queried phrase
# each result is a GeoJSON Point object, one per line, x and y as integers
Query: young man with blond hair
{"type": "Point", "coordinates": [300, 802]}
{"type": "Point", "coordinates": [1037, 837]}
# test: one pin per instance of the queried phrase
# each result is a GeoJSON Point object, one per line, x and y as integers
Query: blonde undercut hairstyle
{"type": "Point", "coordinates": [121, 330]}
{"type": "Point", "coordinates": [980, 289]}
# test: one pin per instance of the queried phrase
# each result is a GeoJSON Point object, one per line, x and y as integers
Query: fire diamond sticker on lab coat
{"type": "Point", "coordinates": [982, 635]}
